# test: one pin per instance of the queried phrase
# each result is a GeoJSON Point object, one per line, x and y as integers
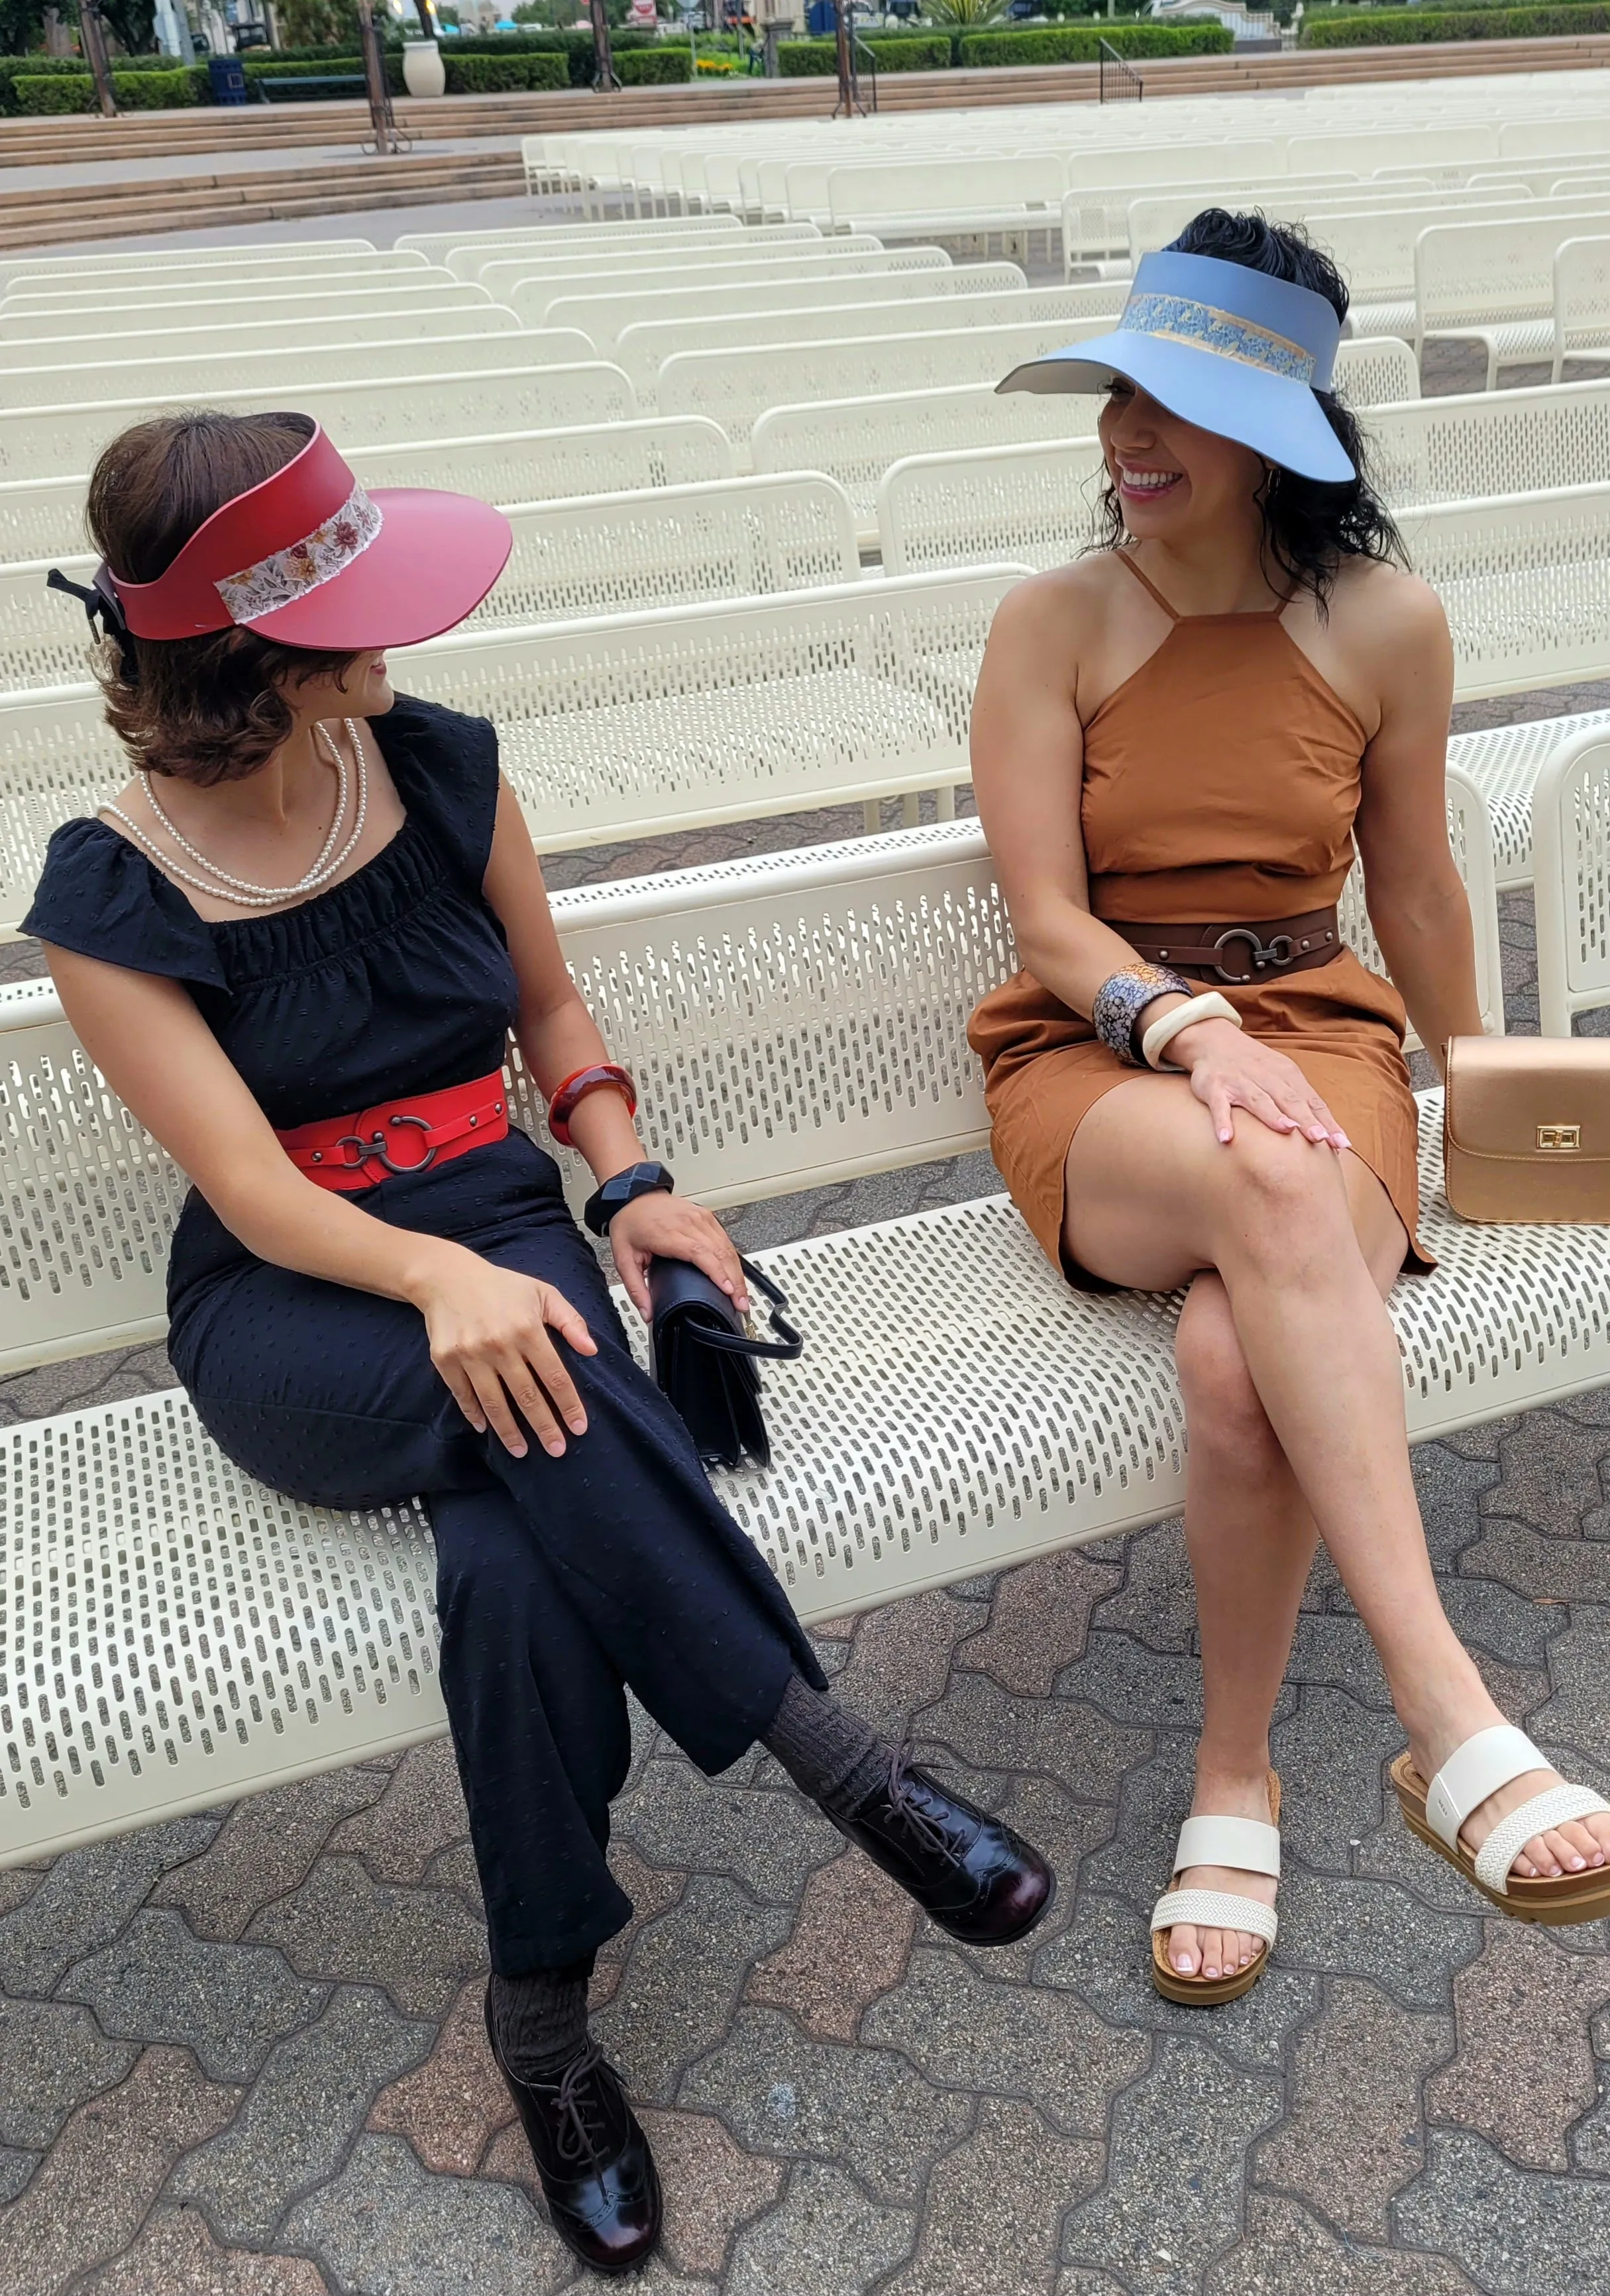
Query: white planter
{"type": "Point", "coordinates": [423, 72]}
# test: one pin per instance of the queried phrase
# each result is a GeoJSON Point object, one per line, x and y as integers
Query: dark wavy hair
{"type": "Point", "coordinates": [1309, 526]}
{"type": "Point", "coordinates": [209, 709]}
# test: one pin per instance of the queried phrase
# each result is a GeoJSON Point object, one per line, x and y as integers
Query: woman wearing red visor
{"type": "Point", "coordinates": [296, 945]}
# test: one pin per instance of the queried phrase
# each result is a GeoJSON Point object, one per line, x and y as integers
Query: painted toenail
{"type": "Point", "coordinates": [1577, 1865]}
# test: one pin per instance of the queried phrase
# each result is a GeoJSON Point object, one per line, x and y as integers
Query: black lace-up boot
{"type": "Point", "coordinates": [977, 1880]}
{"type": "Point", "coordinates": [597, 2175]}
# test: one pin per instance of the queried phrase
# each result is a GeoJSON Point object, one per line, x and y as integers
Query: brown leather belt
{"type": "Point", "coordinates": [1240, 954]}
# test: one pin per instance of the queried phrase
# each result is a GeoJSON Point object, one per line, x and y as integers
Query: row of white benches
{"type": "Point", "coordinates": [174, 1635]}
{"type": "Point", "coordinates": [632, 726]}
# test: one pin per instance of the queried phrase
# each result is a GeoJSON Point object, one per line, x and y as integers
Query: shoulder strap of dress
{"type": "Point", "coordinates": [1149, 587]}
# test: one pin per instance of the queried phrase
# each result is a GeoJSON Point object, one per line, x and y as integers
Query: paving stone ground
{"type": "Point", "coordinates": [240, 2054]}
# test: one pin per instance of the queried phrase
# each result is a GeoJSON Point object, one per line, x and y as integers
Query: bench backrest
{"type": "Point", "coordinates": [1525, 580]}
{"type": "Point", "coordinates": [605, 553]}
{"type": "Point", "coordinates": [136, 265]}
{"type": "Point", "coordinates": [865, 195]}
{"type": "Point", "coordinates": [46, 515]}
{"type": "Point", "coordinates": [1371, 237]}
{"type": "Point", "coordinates": [1243, 160]}
{"type": "Point", "coordinates": [641, 299]}
{"type": "Point", "coordinates": [638, 723]}
{"type": "Point", "coordinates": [441, 246]}
{"type": "Point", "coordinates": [26, 318]}
{"type": "Point", "coordinates": [134, 292]}
{"type": "Point", "coordinates": [947, 510]}
{"type": "Point", "coordinates": [499, 268]}
{"type": "Point", "coordinates": [856, 439]}
{"type": "Point", "coordinates": [791, 1021]}
{"type": "Point", "coordinates": [530, 283]}
{"type": "Point", "coordinates": [273, 374]}
{"type": "Point", "coordinates": [609, 300]}
{"type": "Point", "coordinates": [378, 338]}
{"type": "Point", "coordinates": [734, 387]}
{"type": "Point", "coordinates": [1582, 295]}
{"type": "Point", "coordinates": [1377, 371]}
{"type": "Point", "coordinates": [41, 441]}
{"type": "Point", "coordinates": [1470, 445]}
{"type": "Point", "coordinates": [1483, 274]}
{"type": "Point", "coordinates": [867, 308]}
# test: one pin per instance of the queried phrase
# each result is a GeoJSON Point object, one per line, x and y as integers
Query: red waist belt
{"type": "Point", "coordinates": [346, 1153]}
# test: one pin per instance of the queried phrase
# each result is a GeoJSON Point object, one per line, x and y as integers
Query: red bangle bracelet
{"type": "Point", "coordinates": [575, 1088]}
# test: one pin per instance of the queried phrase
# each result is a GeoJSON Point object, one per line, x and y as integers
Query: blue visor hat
{"type": "Point", "coordinates": [1230, 350]}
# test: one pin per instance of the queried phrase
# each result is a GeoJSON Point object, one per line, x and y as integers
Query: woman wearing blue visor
{"type": "Point", "coordinates": [1176, 741]}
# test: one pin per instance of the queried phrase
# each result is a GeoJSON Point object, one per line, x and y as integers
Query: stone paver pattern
{"type": "Point", "coordinates": [241, 2054]}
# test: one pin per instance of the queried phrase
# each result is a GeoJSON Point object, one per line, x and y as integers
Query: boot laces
{"type": "Point", "coordinates": [580, 2124]}
{"type": "Point", "coordinates": [939, 1836]}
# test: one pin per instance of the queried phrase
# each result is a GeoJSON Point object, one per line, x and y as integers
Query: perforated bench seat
{"type": "Point", "coordinates": [173, 1635]}
{"type": "Point", "coordinates": [1512, 343]}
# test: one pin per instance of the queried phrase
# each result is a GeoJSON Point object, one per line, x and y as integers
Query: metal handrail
{"type": "Point", "coordinates": [859, 45]}
{"type": "Point", "coordinates": [1128, 87]}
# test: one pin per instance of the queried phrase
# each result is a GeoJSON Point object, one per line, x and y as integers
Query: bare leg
{"type": "Point", "coordinates": [1153, 1199]}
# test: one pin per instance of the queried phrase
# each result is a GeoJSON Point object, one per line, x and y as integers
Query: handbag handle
{"type": "Point", "coordinates": [785, 1349]}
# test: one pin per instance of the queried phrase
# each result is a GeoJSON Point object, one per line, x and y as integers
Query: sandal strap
{"type": "Point", "coordinates": [1246, 1844]}
{"type": "Point", "coordinates": [1476, 1770]}
{"type": "Point", "coordinates": [1555, 1805]}
{"type": "Point", "coordinates": [1214, 1909]}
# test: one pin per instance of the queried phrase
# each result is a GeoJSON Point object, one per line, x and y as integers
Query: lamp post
{"type": "Point", "coordinates": [92, 39]}
{"type": "Point", "coordinates": [386, 139]}
{"type": "Point", "coordinates": [605, 77]}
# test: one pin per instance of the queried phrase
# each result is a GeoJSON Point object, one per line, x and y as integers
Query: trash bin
{"type": "Point", "coordinates": [227, 76]}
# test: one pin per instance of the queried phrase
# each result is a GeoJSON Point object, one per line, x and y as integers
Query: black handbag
{"type": "Point", "coordinates": [704, 1359]}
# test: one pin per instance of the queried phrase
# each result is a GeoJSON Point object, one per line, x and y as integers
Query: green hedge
{"type": "Point", "coordinates": [575, 47]}
{"type": "Point", "coordinates": [502, 75]}
{"type": "Point", "coordinates": [656, 67]}
{"type": "Point", "coordinates": [1077, 44]}
{"type": "Point", "coordinates": [819, 58]}
{"type": "Point", "coordinates": [145, 91]}
{"type": "Point", "coordinates": [1381, 27]}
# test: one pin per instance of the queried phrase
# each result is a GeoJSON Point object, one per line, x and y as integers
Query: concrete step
{"type": "Point", "coordinates": [262, 128]}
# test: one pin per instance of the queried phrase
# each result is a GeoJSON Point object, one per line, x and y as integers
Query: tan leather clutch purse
{"type": "Point", "coordinates": [1526, 1128]}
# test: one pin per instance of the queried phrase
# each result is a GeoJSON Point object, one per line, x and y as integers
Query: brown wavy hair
{"type": "Point", "coordinates": [211, 708]}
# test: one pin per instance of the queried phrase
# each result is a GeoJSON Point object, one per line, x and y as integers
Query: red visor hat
{"type": "Point", "coordinates": [309, 559]}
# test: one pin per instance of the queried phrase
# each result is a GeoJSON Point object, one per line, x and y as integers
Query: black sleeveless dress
{"type": "Point", "coordinates": [558, 1581]}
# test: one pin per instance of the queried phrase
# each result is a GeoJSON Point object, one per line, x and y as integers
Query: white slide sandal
{"type": "Point", "coordinates": [1246, 1846]}
{"type": "Point", "coordinates": [1476, 1770]}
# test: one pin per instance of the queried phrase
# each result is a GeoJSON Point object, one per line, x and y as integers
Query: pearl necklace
{"type": "Point", "coordinates": [218, 884]}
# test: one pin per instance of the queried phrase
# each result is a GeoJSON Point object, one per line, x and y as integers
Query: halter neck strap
{"type": "Point", "coordinates": [1255, 614]}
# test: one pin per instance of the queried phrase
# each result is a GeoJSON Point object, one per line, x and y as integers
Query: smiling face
{"type": "Point", "coordinates": [1172, 480]}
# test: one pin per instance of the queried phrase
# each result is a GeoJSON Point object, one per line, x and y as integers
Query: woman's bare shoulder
{"type": "Point", "coordinates": [1062, 607]}
{"type": "Point", "coordinates": [1377, 601]}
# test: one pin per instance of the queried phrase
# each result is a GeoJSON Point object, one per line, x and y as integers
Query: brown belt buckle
{"type": "Point", "coordinates": [1278, 952]}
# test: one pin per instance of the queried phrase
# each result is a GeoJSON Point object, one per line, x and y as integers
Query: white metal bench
{"type": "Point", "coordinates": [275, 374]}
{"type": "Point", "coordinates": [26, 318]}
{"type": "Point", "coordinates": [41, 516]}
{"type": "Point", "coordinates": [768, 295]}
{"type": "Point", "coordinates": [1571, 831]}
{"type": "Point", "coordinates": [1493, 282]}
{"type": "Point", "coordinates": [500, 269]}
{"type": "Point", "coordinates": [143, 266]}
{"type": "Point", "coordinates": [42, 441]}
{"type": "Point", "coordinates": [1525, 580]}
{"type": "Point", "coordinates": [1582, 298]}
{"type": "Point", "coordinates": [628, 724]}
{"type": "Point", "coordinates": [604, 554]}
{"type": "Point", "coordinates": [736, 386]}
{"type": "Point", "coordinates": [601, 303]}
{"type": "Point", "coordinates": [1020, 195]}
{"type": "Point", "coordinates": [376, 340]}
{"type": "Point", "coordinates": [177, 1636]}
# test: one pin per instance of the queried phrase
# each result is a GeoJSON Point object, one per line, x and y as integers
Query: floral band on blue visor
{"type": "Point", "coordinates": [1178, 318]}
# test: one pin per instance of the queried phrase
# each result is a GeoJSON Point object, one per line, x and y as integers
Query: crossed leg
{"type": "Point", "coordinates": [1294, 1404]}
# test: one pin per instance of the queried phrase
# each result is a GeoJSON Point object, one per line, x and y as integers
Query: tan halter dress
{"type": "Point", "coordinates": [1221, 780]}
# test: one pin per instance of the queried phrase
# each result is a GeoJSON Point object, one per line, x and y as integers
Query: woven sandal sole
{"type": "Point", "coordinates": [1208, 1992]}
{"type": "Point", "coordinates": [1558, 1902]}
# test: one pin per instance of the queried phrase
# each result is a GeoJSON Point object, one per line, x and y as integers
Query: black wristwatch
{"type": "Point", "coordinates": [624, 1189]}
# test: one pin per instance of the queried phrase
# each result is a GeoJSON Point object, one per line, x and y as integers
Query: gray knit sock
{"type": "Point", "coordinates": [541, 2019]}
{"type": "Point", "coordinates": [829, 1752]}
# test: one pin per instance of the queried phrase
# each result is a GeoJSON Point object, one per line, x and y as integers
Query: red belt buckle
{"type": "Point", "coordinates": [338, 1152]}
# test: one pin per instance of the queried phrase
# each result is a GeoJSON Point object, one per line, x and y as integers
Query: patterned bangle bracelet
{"type": "Point", "coordinates": [1123, 997]}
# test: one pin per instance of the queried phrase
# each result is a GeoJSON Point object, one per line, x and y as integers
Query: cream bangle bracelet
{"type": "Point", "coordinates": [1209, 1006]}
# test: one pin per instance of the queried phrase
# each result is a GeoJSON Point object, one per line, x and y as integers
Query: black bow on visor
{"type": "Point", "coordinates": [102, 605]}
